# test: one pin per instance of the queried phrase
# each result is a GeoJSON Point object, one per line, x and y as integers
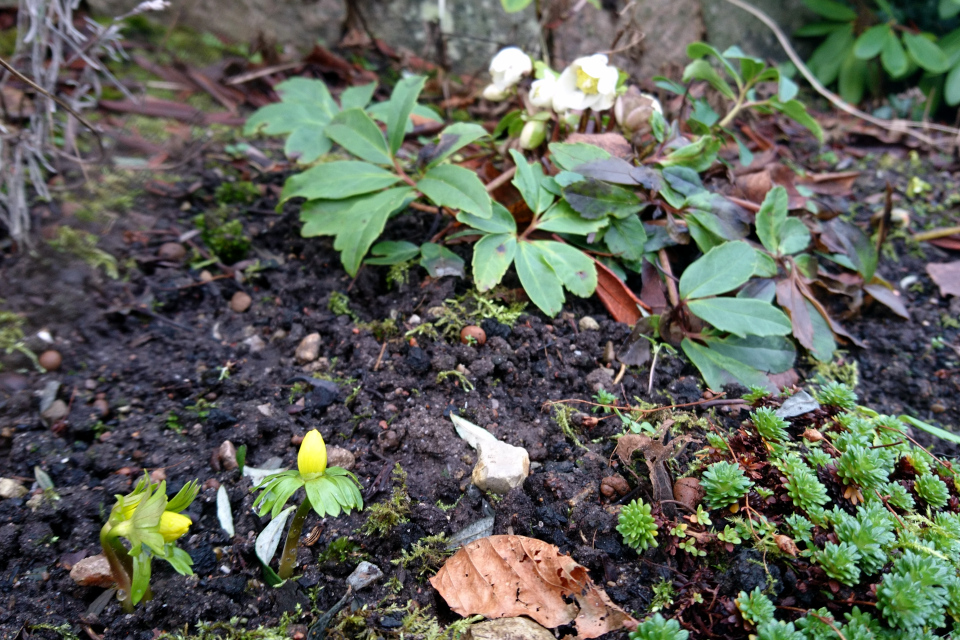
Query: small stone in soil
{"type": "Point", "coordinates": [240, 302]}
{"type": "Point", "coordinates": [588, 324]}
{"type": "Point", "coordinates": [340, 457]}
{"type": "Point", "coordinates": [228, 456]}
{"type": "Point", "coordinates": [171, 251]}
{"type": "Point", "coordinates": [417, 360]}
{"type": "Point", "coordinates": [220, 419]}
{"type": "Point", "coordinates": [501, 467]}
{"type": "Point", "coordinates": [56, 412]}
{"type": "Point", "coordinates": [51, 360]}
{"type": "Point", "coordinates": [495, 329]}
{"type": "Point", "coordinates": [93, 572]}
{"type": "Point", "coordinates": [308, 349]}
{"type": "Point", "coordinates": [11, 489]}
{"type": "Point", "coordinates": [473, 334]}
{"type": "Point", "coordinates": [512, 628]}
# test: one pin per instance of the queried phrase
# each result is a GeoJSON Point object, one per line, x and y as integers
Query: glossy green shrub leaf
{"type": "Point", "coordinates": [530, 182]}
{"type": "Point", "coordinates": [451, 186]}
{"type": "Point", "coordinates": [772, 354]}
{"type": "Point", "coordinates": [829, 56]}
{"type": "Point", "coordinates": [492, 256]}
{"type": "Point", "coordinates": [566, 155]}
{"type": "Point", "coordinates": [538, 278]}
{"type": "Point", "coordinates": [337, 180]}
{"type": "Point", "coordinates": [742, 316]}
{"type": "Point", "coordinates": [698, 156]}
{"type": "Point", "coordinates": [402, 101]}
{"type": "Point", "coordinates": [787, 90]}
{"type": "Point", "coordinates": [358, 97]}
{"type": "Point", "coordinates": [356, 132]}
{"type": "Point", "coordinates": [702, 49]}
{"type": "Point", "coordinates": [440, 261]}
{"type": "Point", "coordinates": [817, 29]}
{"type": "Point", "coordinates": [831, 10]}
{"type": "Point", "coordinates": [951, 88]}
{"type": "Point", "coordinates": [871, 42]}
{"type": "Point", "coordinates": [390, 252]}
{"type": "Point", "coordinates": [303, 113]}
{"type": "Point", "coordinates": [926, 53]}
{"type": "Point", "coordinates": [948, 9]}
{"type": "Point", "coordinates": [853, 78]}
{"type": "Point", "coordinates": [794, 109]}
{"type": "Point", "coordinates": [893, 57]}
{"type": "Point", "coordinates": [722, 269]}
{"type": "Point", "coordinates": [719, 369]}
{"type": "Point", "coordinates": [770, 218]}
{"type": "Point", "coordinates": [626, 238]}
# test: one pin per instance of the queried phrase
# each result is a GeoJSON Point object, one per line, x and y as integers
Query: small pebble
{"type": "Point", "coordinates": [938, 407]}
{"type": "Point", "coordinates": [51, 360]}
{"type": "Point", "coordinates": [171, 251]}
{"type": "Point", "coordinates": [205, 276]}
{"type": "Point", "coordinates": [473, 335]}
{"type": "Point", "coordinates": [240, 302]}
{"type": "Point", "coordinates": [228, 456]}
{"type": "Point", "coordinates": [101, 406]}
{"type": "Point", "coordinates": [308, 349]}
{"type": "Point", "coordinates": [588, 324]}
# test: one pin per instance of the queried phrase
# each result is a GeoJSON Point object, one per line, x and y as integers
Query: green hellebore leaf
{"type": "Point", "coordinates": [356, 132]}
{"type": "Point", "coordinates": [451, 186]}
{"type": "Point", "coordinates": [720, 270]}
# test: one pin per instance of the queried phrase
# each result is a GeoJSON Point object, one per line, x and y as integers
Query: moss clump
{"type": "Point", "coordinates": [382, 517]}
{"type": "Point", "coordinates": [225, 238]}
{"type": "Point", "coordinates": [242, 192]}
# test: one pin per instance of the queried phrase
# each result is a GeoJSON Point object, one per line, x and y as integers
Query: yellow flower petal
{"type": "Point", "coordinates": [312, 458]}
{"type": "Point", "coordinates": [173, 525]}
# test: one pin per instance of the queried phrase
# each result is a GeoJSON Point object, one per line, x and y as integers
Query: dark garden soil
{"type": "Point", "coordinates": [154, 344]}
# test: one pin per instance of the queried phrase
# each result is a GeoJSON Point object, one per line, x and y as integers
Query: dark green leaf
{"type": "Point", "coordinates": [770, 218]}
{"type": "Point", "coordinates": [742, 316]}
{"type": "Point", "coordinates": [699, 155]}
{"type": "Point", "coordinates": [721, 270]}
{"type": "Point", "coordinates": [538, 278]}
{"type": "Point", "coordinates": [894, 58]}
{"type": "Point", "coordinates": [451, 186]}
{"type": "Point", "coordinates": [452, 139]}
{"type": "Point", "coordinates": [926, 53]}
{"type": "Point", "coordinates": [357, 96]}
{"type": "Point", "coordinates": [701, 233]}
{"type": "Point", "coordinates": [389, 252]}
{"type": "Point", "coordinates": [931, 429]}
{"type": "Point", "coordinates": [492, 256]}
{"type": "Point", "coordinates": [561, 218]}
{"type": "Point", "coordinates": [619, 171]}
{"type": "Point", "coordinates": [567, 156]}
{"type": "Point", "coordinates": [402, 101]}
{"type": "Point", "coordinates": [575, 269]}
{"type": "Point", "coordinates": [337, 180]}
{"type": "Point", "coordinates": [500, 222]}
{"type": "Point", "coordinates": [626, 237]}
{"type": "Point", "coordinates": [701, 49]}
{"type": "Point", "coordinates": [594, 199]}
{"type": "Point", "coordinates": [871, 42]}
{"type": "Point", "coordinates": [951, 89]}
{"type": "Point", "coordinates": [772, 354]}
{"type": "Point", "coordinates": [817, 29]}
{"type": "Point", "coordinates": [831, 10]}
{"type": "Point", "coordinates": [683, 180]}
{"type": "Point", "coordinates": [795, 110]}
{"type": "Point", "coordinates": [440, 261]}
{"type": "Point", "coordinates": [853, 78]}
{"type": "Point", "coordinates": [823, 343]}
{"type": "Point", "coordinates": [759, 288]}
{"type": "Point", "coordinates": [719, 370]}
{"type": "Point", "coordinates": [948, 9]}
{"type": "Point", "coordinates": [356, 132]}
{"type": "Point", "coordinates": [529, 181]}
{"type": "Point", "coordinates": [826, 60]}
{"type": "Point", "coordinates": [857, 246]}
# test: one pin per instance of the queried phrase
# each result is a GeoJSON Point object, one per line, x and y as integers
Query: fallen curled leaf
{"type": "Point", "coordinates": [508, 576]}
{"type": "Point", "coordinates": [786, 545]}
{"type": "Point", "coordinates": [620, 301]}
{"type": "Point", "coordinates": [946, 275]}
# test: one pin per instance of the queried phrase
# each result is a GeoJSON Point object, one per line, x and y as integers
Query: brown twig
{"type": "Point", "coordinates": [934, 234]}
{"type": "Point", "coordinates": [671, 285]}
{"type": "Point", "coordinates": [501, 180]}
{"type": "Point", "coordinates": [383, 348]}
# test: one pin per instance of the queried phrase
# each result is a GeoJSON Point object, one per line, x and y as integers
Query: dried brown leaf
{"type": "Point", "coordinates": [508, 576]}
{"type": "Point", "coordinates": [946, 275]}
{"type": "Point", "coordinates": [619, 300]}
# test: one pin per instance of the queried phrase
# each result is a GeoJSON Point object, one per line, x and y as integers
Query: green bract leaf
{"type": "Point", "coordinates": [530, 182]}
{"type": "Point", "coordinates": [492, 256]}
{"type": "Point", "coordinates": [594, 199]}
{"type": "Point", "coordinates": [926, 53]}
{"type": "Point", "coordinates": [458, 188]}
{"type": "Point", "coordinates": [305, 109]}
{"type": "Point", "coordinates": [337, 180]}
{"type": "Point", "coordinates": [402, 101]}
{"type": "Point", "coordinates": [742, 316]}
{"type": "Point", "coordinates": [770, 218]}
{"type": "Point", "coordinates": [500, 222]}
{"type": "Point", "coordinates": [141, 577]}
{"type": "Point", "coordinates": [703, 70]}
{"type": "Point", "coordinates": [568, 156]}
{"type": "Point", "coordinates": [831, 10]}
{"type": "Point", "coordinates": [773, 354]}
{"type": "Point", "coordinates": [561, 218]}
{"type": "Point", "coordinates": [626, 238]}
{"type": "Point", "coordinates": [539, 279]}
{"type": "Point", "coordinates": [871, 42]}
{"type": "Point", "coordinates": [356, 132]}
{"type": "Point", "coordinates": [358, 97]}
{"type": "Point", "coordinates": [389, 252]}
{"type": "Point", "coordinates": [722, 269]}
{"type": "Point", "coordinates": [719, 369]}
{"type": "Point", "coordinates": [440, 261]}
{"type": "Point", "coordinates": [452, 139]}
{"type": "Point", "coordinates": [574, 268]}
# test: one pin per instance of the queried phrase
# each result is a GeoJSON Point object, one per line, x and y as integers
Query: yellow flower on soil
{"type": "Point", "coordinates": [312, 458]}
{"type": "Point", "coordinates": [173, 525]}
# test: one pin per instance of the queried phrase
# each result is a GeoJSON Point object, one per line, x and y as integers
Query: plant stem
{"type": "Point", "coordinates": [288, 560]}
{"type": "Point", "coordinates": [117, 567]}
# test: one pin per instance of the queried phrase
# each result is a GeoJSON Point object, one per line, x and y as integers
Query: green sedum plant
{"type": "Point", "coordinates": [637, 526]}
{"type": "Point", "coordinates": [932, 490]}
{"type": "Point", "coordinates": [656, 627]}
{"type": "Point", "coordinates": [770, 426]}
{"type": "Point", "coordinates": [724, 483]}
{"type": "Point", "coordinates": [755, 607]}
{"type": "Point", "coordinates": [839, 561]}
{"type": "Point", "coordinates": [804, 488]}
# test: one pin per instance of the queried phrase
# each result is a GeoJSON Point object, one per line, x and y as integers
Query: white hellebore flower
{"type": "Point", "coordinates": [506, 70]}
{"type": "Point", "coordinates": [588, 83]}
{"type": "Point", "coordinates": [543, 90]}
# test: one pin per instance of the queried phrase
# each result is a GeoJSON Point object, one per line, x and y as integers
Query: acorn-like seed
{"type": "Point", "coordinates": [473, 334]}
{"type": "Point", "coordinates": [51, 360]}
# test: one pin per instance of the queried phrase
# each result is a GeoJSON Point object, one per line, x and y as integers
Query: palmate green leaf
{"type": "Point", "coordinates": [926, 53]}
{"type": "Point", "coordinates": [358, 97]}
{"type": "Point", "coordinates": [500, 222]}
{"type": "Point", "coordinates": [179, 559]}
{"type": "Point", "coordinates": [492, 256]}
{"type": "Point", "coordinates": [561, 218]}
{"type": "Point", "coordinates": [575, 269]}
{"type": "Point", "coordinates": [440, 261]}
{"type": "Point", "coordinates": [538, 278]}
{"type": "Point", "coordinates": [594, 199]}
{"type": "Point", "coordinates": [772, 354]}
{"type": "Point", "coordinates": [305, 109]}
{"type": "Point", "coordinates": [568, 156]}
{"type": "Point", "coordinates": [391, 252]}
{"type": "Point", "coordinates": [703, 70]}
{"type": "Point", "coordinates": [529, 181]}
{"type": "Point", "coordinates": [719, 370]}
{"type": "Point", "coordinates": [831, 10]}
{"type": "Point", "coordinates": [626, 238]}
{"type": "Point", "coordinates": [722, 269]}
{"type": "Point", "coordinates": [402, 101]}
{"type": "Point", "coordinates": [452, 139]}
{"type": "Point", "coordinates": [337, 180]}
{"type": "Point", "coordinates": [770, 218]}
{"type": "Point", "coordinates": [322, 496]}
{"type": "Point", "coordinates": [742, 316]}
{"type": "Point", "coordinates": [451, 186]}
{"type": "Point", "coordinates": [871, 42]}
{"type": "Point", "coordinates": [356, 132]}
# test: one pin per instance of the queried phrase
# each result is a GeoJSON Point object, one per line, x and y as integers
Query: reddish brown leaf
{"type": "Point", "coordinates": [952, 243]}
{"type": "Point", "coordinates": [613, 143]}
{"type": "Point", "coordinates": [651, 292]}
{"type": "Point", "coordinates": [792, 300]}
{"type": "Point", "coordinates": [890, 299]}
{"type": "Point", "coordinates": [833, 184]}
{"type": "Point", "coordinates": [508, 576]}
{"type": "Point", "coordinates": [619, 300]}
{"type": "Point", "coordinates": [946, 275]}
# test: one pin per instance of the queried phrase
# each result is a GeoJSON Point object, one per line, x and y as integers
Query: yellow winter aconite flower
{"type": "Point", "coordinates": [173, 525]}
{"type": "Point", "coordinates": [312, 458]}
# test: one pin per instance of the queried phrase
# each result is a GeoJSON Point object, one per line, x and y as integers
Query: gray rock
{"type": "Point", "coordinates": [365, 574]}
{"type": "Point", "coordinates": [340, 457]}
{"type": "Point", "coordinates": [600, 378]}
{"type": "Point", "coordinates": [57, 411]}
{"type": "Point", "coordinates": [508, 629]}
{"type": "Point", "coordinates": [255, 343]}
{"type": "Point", "coordinates": [796, 405]}
{"type": "Point", "coordinates": [500, 467]}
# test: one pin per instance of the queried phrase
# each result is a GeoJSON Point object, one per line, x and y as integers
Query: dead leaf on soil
{"type": "Point", "coordinates": [946, 275]}
{"type": "Point", "coordinates": [619, 300]}
{"type": "Point", "coordinates": [508, 576]}
{"type": "Point", "coordinates": [613, 143]}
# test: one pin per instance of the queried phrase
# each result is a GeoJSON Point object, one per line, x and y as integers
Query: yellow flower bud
{"type": "Point", "coordinates": [173, 525]}
{"type": "Point", "coordinates": [312, 458]}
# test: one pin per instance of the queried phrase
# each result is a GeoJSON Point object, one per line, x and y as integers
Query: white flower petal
{"type": "Point", "coordinates": [493, 93]}
{"type": "Point", "coordinates": [509, 66]}
{"type": "Point", "coordinates": [542, 92]}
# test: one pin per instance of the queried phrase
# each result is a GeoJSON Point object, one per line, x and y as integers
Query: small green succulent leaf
{"type": "Point", "coordinates": [141, 576]}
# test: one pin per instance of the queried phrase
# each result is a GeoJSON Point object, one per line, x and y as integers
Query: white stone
{"type": "Point", "coordinates": [500, 467]}
{"type": "Point", "coordinates": [11, 489]}
{"type": "Point", "coordinates": [508, 629]}
{"type": "Point", "coordinates": [255, 343]}
{"type": "Point", "coordinates": [588, 324]}
{"type": "Point", "coordinates": [309, 348]}
{"type": "Point", "coordinates": [340, 457]}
